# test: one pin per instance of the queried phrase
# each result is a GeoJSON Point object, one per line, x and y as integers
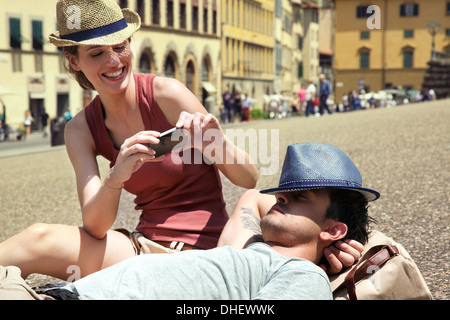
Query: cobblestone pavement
{"type": "Point", "coordinates": [403, 152]}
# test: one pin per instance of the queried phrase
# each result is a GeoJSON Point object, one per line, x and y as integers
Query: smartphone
{"type": "Point", "coordinates": [167, 141]}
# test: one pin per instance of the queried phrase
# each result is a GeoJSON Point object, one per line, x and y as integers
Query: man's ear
{"type": "Point", "coordinates": [335, 231]}
{"type": "Point", "coordinates": [73, 61]}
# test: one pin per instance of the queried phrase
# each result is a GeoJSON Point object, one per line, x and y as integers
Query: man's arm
{"type": "Point", "coordinates": [242, 227]}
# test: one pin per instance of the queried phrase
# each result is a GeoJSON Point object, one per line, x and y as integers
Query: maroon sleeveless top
{"type": "Point", "coordinates": [179, 202]}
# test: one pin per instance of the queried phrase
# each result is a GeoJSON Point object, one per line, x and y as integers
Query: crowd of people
{"type": "Point", "coordinates": [307, 101]}
{"type": "Point", "coordinates": [235, 105]}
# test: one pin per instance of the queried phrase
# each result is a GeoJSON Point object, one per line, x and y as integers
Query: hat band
{"type": "Point", "coordinates": [96, 32]}
{"type": "Point", "coordinates": [319, 183]}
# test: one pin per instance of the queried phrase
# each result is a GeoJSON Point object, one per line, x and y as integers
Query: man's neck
{"type": "Point", "coordinates": [305, 251]}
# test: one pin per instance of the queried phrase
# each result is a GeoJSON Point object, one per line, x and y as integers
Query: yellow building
{"type": "Point", "coordinates": [389, 46]}
{"type": "Point", "coordinates": [248, 47]}
{"type": "Point", "coordinates": [181, 39]}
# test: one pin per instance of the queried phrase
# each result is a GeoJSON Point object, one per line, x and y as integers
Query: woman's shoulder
{"type": "Point", "coordinates": [77, 128]}
{"type": "Point", "coordinates": [164, 85]}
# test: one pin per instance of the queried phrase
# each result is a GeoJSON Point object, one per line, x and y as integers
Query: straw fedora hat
{"type": "Point", "coordinates": [93, 22]}
{"type": "Point", "coordinates": [317, 166]}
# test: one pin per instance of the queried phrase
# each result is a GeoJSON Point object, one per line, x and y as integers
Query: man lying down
{"type": "Point", "coordinates": [319, 201]}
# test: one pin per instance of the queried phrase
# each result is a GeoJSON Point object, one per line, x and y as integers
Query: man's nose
{"type": "Point", "coordinates": [282, 198]}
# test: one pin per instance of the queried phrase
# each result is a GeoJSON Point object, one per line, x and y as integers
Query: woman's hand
{"type": "Point", "coordinates": [342, 254]}
{"type": "Point", "coordinates": [199, 126]}
{"type": "Point", "coordinates": [133, 153]}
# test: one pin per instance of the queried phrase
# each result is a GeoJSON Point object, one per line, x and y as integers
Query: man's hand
{"type": "Point", "coordinates": [341, 255]}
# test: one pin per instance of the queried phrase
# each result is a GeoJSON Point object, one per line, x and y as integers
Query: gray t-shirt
{"type": "Point", "coordinates": [257, 272]}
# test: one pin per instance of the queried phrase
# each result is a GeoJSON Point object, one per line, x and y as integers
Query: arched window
{"type": "Point", "coordinates": [169, 67]}
{"type": "Point", "coordinates": [144, 63]}
{"type": "Point", "coordinates": [205, 70]}
{"type": "Point", "coordinates": [190, 76]}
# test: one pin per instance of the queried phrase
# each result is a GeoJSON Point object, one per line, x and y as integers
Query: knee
{"type": "Point", "coordinates": [38, 233]}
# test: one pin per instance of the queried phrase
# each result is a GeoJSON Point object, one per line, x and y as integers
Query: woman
{"type": "Point", "coordinates": [180, 202]}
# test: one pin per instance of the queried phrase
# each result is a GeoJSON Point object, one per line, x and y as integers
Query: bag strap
{"type": "Point", "coordinates": [378, 256]}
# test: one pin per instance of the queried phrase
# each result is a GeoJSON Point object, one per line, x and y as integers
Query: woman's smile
{"type": "Point", "coordinates": [115, 74]}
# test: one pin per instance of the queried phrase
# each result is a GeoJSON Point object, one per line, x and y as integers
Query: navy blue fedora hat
{"type": "Point", "coordinates": [317, 166]}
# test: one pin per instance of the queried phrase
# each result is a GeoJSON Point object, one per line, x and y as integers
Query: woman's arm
{"type": "Point", "coordinates": [99, 200]}
{"type": "Point", "coordinates": [183, 109]}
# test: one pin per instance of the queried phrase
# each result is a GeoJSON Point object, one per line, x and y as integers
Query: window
{"type": "Point", "coordinates": [190, 76]}
{"type": "Point", "coordinates": [287, 22]}
{"type": "Point", "coordinates": [364, 60]}
{"type": "Point", "coordinates": [155, 12]}
{"type": "Point", "coordinates": [300, 70]}
{"type": "Point", "coordinates": [169, 68]}
{"type": "Point", "coordinates": [140, 8]}
{"type": "Point", "coordinates": [409, 10]}
{"type": "Point", "coordinates": [408, 59]}
{"type": "Point", "coordinates": [183, 15]}
{"type": "Point", "coordinates": [361, 12]}
{"type": "Point", "coordinates": [278, 57]}
{"type": "Point", "coordinates": [123, 4]}
{"type": "Point", "coordinates": [195, 18]}
{"type": "Point", "coordinates": [447, 32]}
{"type": "Point", "coordinates": [448, 8]}
{"type": "Point", "coordinates": [170, 13]}
{"type": "Point", "coordinates": [205, 20]}
{"type": "Point", "coordinates": [205, 70]}
{"type": "Point", "coordinates": [15, 38]}
{"type": "Point", "coordinates": [365, 35]}
{"type": "Point", "coordinates": [297, 16]}
{"type": "Point", "coordinates": [408, 34]}
{"type": "Point", "coordinates": [300, 42]}
{"type": "Point", "coordinates": [315, 16]}
{"type": "Point", "coordinates": [278, 8]}
{"type": "Point", "coordinates": [38, 39]}
{"type": "Point", "coordinates": [144, 63]}
{"type": "Point", "coordinates": [214, 21]}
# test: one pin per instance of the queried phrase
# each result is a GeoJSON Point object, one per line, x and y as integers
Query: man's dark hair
{"type": "Point", "coordinates": [350, 207]}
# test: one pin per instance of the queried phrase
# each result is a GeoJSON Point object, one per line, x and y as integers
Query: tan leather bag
{"type": "Point", "coordinates": [384, 272]}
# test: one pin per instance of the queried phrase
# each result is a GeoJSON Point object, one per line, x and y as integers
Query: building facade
{"type": "Point", "coordinates": [258, 47]}
{"type": "Point", "coordinates": [389, 47]}
{"type": "Point", "coordinates": [248, 47]}
{"type": "Point", "coordinates": [178, 38]}
{"type": "Point", "coordinates": [33, 77]}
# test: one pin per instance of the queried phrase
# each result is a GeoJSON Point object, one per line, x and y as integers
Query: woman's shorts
{"type": "Point", "coordinates": [142, 245]}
